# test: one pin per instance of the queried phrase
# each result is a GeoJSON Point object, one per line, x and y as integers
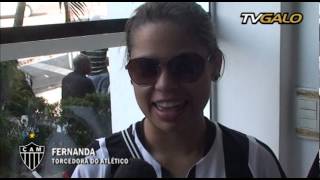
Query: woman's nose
{"type": "Point", "coordinates": [165, 81]}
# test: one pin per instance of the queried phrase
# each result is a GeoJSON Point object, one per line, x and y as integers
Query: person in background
{"type": "Point", "coordinates": [76, 84]}
{"type": "Point", "coordinates": [99, 71]}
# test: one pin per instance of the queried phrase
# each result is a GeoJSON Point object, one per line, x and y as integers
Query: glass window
{"type": "Point", "coordinates": [31, 105]}
{"type": "Point", "coordinates": [32, 108]}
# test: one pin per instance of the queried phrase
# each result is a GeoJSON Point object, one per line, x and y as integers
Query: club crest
{"type": "Point", "coordinates": [31, 155]}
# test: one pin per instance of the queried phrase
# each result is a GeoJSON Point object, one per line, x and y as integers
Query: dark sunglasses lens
{"type": "Point", "coordinates": [187, 67]}
{"type": "Point", "coordinates": [143, 71]}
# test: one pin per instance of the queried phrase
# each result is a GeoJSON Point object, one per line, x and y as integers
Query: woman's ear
{"type": "Point", "coordinates": [216, 65]}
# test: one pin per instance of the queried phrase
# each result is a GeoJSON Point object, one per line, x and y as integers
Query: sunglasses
{"type": "Point", "coordinates": [186, 67]}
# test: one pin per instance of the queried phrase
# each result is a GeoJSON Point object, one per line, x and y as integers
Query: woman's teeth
{"type": "Point", "coordinates": [168, 104]}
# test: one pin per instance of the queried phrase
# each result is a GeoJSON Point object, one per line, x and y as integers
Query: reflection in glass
{"type": "Point", "coordinates": [32, 111]}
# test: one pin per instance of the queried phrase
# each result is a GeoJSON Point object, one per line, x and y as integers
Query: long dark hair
{"type": "Point", "coordinates": [188, 15]}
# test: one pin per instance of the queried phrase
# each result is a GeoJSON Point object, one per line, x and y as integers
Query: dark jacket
{"type": "Point", "coordinates": [76, 85]}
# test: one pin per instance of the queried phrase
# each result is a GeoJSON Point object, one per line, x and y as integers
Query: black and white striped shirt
{"type": "Point", "coordinates": [228, 154]}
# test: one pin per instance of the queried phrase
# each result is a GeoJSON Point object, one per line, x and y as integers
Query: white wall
{"type": "Point", "coordinates": [287, 89]}
{"type": "Point", "coordinates": [264, 66]}
{"type": "Point", "coordinates": [248, 93]}
{"type": "Point", "coordinates": [308, 76]}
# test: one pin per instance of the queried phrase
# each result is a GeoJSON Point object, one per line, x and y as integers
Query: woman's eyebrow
{"type": "Point", "coordinates": [155, 57]}
{"type": "Point", "coordinates": [144, 57]}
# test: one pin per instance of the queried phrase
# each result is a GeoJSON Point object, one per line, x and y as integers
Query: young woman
{"type": "Point", "coordinates": [172, 59]}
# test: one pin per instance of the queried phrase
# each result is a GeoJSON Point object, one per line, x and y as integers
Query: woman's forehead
{"type": "Point", "coordinates": [163, 39]}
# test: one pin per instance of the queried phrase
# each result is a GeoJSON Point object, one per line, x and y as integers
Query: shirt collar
{"type": "Point", "coordinates": [139, 137]}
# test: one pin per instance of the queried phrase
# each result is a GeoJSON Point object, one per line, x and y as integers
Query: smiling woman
{"type": "Point", "coordinates": [172, 58]}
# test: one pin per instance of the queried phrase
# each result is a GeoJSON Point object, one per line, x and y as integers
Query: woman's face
{"type": "Point", "coordinates": [170, 104]}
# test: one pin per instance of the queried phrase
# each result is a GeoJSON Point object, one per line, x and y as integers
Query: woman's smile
{"type": "Point", "coordinates": [169, 110]}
